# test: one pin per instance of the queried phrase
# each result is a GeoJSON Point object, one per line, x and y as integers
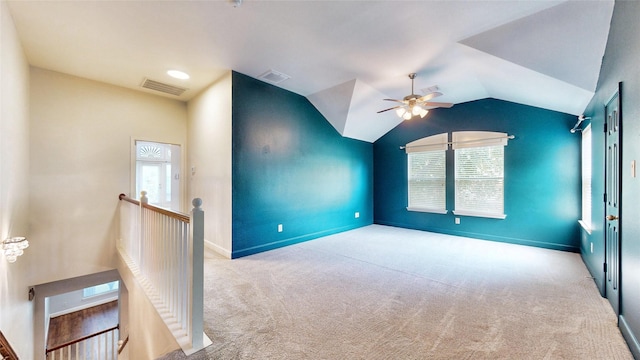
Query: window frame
{"type": "Point", "coordinates": [439, 179]}
{"type": "Point", "coordinates": [586, 157]}
{"type": "Point", "coordinates": [431, 144]}
{"type": "Point", "coordinates": [97, 290]}
{"type": "Point", "coordinates": [460, 140]}
{"type": "Point", "coordinates": [478, 139]}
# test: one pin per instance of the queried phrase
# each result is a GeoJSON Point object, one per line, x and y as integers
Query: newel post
{"type": "Point", "coordinates": [197, 257]}
{"type": "Point", "coordinates": [143, 197]}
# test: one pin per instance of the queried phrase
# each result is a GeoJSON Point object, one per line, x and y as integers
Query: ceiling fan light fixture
{"type": "Point", "coordinates": [414, 105]}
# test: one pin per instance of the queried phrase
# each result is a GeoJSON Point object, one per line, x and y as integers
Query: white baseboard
{"type": "Point", "coordinates": [217, 249]}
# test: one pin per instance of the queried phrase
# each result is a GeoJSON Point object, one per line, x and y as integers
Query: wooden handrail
{"type": "Point", "coordinates": [126, 198]}
{"type": "Point", "coordinates": [69, 343]}
{"type": "Point", "coordinates": [170, 213]}
{"type": "Point", "coordinates": [124, 343]}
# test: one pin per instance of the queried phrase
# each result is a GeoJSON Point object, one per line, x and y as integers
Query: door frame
{"type": "Point", "coordinates": [618, 263]}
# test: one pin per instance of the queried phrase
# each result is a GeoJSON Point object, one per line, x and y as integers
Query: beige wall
{"type": "Point", "coordinates": [80, 155]}
{"type": "Point", "coordinates": [149, 337]}
{"type": "Point", "coordinates": [209, 153]}
{"type": "Point", "coordinates": [16, 312]}
{"type": "Point", "coordinates": [65, 155]}
{"type": "Point", "coordinates": [81, 134]}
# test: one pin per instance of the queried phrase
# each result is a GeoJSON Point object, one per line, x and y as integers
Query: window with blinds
{"type": "Point", "coordinates": [427, 181]}
{"type": "Point", "coordinates": [479, 174]}
{"type": "Point", "coordinates": [586, 177]}
{"type": "Point", "coordinates": [427, 174]}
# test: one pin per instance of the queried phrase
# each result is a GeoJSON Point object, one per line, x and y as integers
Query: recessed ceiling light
{"type": "Point", "coordinates": [178, 74]}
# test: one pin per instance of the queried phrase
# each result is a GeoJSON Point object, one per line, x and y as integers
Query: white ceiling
{"type": "Point", "coordinates": [345, 56]}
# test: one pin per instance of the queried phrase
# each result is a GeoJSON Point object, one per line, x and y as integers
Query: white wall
{"type": "Point", "coordinates": [81, 134]}
{"type": "Point", "coordinates": [16, 312]}
{"type": "Point", "coordinates": [209, 152]}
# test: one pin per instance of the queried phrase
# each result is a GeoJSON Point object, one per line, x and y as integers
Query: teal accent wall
{"type": "Point", "coordinates": [291, 167]}
{"type": "Point", "coordinates": [542, 175]}
{"type": "Point", "coordinates": [619, 64]}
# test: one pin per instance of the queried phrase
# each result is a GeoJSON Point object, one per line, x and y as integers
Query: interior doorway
{"type": "Point", "coordinates": [157, 171]}
{"type": "Point", "coordinates": [613, 184]}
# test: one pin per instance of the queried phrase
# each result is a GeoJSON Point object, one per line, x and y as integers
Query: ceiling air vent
{"type": "Point", "coordinates": [162, 87]}
{"type": "Point", "coordinates": [274, 77]}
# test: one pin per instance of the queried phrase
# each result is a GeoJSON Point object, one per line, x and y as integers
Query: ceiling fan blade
{"type": "Point", "coordinates": [393, 108]}
{"type": "Point", "coordinates": [432, 104]}
{"type": "Point", "coordinates": [430, 96]}
{"type": "Point", "coordinates": [400, 101]}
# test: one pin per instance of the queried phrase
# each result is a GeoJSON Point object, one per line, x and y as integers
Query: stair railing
{"type": "Point", "coordinates": [164, 250]}
{"type": "Point", "coordinates": [102, 345]}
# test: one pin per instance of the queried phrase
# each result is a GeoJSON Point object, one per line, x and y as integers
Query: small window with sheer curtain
{"type": "Point", "coordinates": [427, 174]}
{"type": "Point", "coordinates": [586, 178]}
{"type": "Point", "coordinates": [479, 173]}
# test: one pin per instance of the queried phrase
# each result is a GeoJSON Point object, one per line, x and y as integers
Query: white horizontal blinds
{"type": "Point", "coordinates": [586, 176]}
{"type": "Point", "coordinates": [427, 178]}
{"type": "Point", "coordinates": [427, 174]}
{"type": "Point", "coordinates": [479, 173]}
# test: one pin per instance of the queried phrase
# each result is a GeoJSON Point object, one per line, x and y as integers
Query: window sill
{"type": "Point", "coordinates": [586, 227]}
{"type": "Point", "coordinates": [479, 214]}
{"type": "Point", "coordinates": [435, 211]}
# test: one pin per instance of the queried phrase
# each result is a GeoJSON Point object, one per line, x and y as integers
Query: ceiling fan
{"type": "Point", "coordinates": [413, 104]}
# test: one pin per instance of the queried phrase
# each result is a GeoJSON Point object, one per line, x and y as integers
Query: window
{"type": "Point", "coordinates": [479, 173]}
{"type": "Point", "coordinates": [586, 177]}
{"type": "Point", "coordinates": [427, 174]}
{"type": "Point", "coordinates": [427, 179]}
{"type": "Point", "coordinates": [158, 173]}
{"type": "Point", "coordinates": [100, 289]}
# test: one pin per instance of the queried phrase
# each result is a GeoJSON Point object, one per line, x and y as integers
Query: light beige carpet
{"type": "Point", "coordinates": [380, 292]}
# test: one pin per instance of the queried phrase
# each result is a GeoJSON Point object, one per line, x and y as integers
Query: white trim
{"type": "Point", "coordinates": [585, 226]}
{"type": "Point", "coordinates": [435, 211]}
{"type": "Point", "coordinates": [479, 214]}
{"type": "Point", "coordinates": [217, 249]}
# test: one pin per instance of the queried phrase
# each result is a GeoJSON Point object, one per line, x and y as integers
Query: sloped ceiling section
{"type": "Point", "coordinates": [568, 50]}
{"type": "Point", "coordinates": [556, 51]}
{"type": "Point", "coordinates": [351, 111]}
{"type": "Point", "coordinates": [568, 42]}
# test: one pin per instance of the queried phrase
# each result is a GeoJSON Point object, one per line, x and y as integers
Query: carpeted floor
{"type": "Point", "coordinates": [388, 293]}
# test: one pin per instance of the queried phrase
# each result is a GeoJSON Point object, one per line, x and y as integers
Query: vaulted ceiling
{"type": "Point", "coordinates": [345, 56]}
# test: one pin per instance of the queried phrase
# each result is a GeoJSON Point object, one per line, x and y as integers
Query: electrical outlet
{"type": "Point", "coordinates": [357, 215]}
{"type": "Point", "coordinates": [279, 227]}
{"type": "Point", "coordinates": [457, 220]}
